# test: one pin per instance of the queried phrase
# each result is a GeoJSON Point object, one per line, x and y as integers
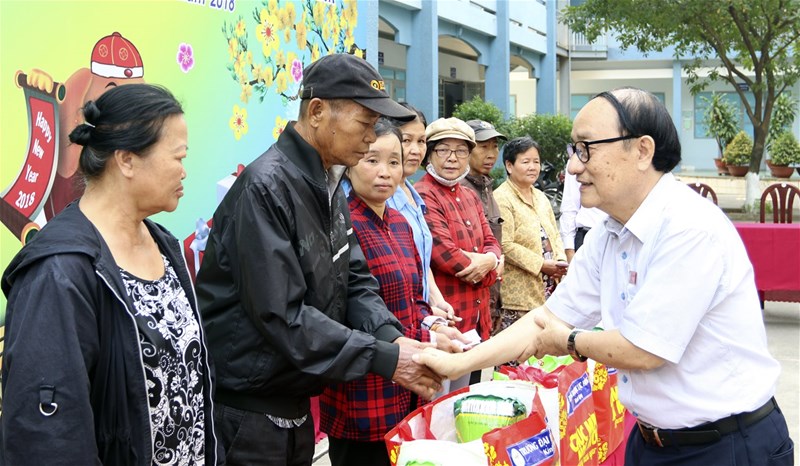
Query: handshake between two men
{"type": "Point", "coordinates": [537, 333]}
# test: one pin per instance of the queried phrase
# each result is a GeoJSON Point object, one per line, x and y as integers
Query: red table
{"type": "Point", "coordinates": [774, 250]}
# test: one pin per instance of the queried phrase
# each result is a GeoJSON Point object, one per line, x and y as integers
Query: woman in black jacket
{"type": "Point", "coordinates": [105, 357]}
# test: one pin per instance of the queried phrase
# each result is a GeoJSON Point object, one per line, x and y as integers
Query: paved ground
{"type": "Point", "coordinates": [783, 332]}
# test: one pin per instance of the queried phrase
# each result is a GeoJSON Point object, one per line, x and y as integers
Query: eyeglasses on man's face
{"type": "Point", "coordinates": [581, 148]}
{"type": "Point", "coordinates": [444, 152]}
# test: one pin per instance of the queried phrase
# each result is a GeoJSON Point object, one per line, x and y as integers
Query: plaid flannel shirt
{"type": "Point", "coordinates": [457, 222]}
{"type": "Point", "coordinates": [367, 408]}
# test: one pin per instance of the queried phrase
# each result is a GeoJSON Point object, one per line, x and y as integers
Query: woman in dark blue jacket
{"type": "Point", "coordinates": [105, 357]}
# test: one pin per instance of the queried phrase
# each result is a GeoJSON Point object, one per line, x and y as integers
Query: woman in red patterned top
{"type": "Point", "coordinates": [466, 256]}
{"type": "Point", "coordinates": [357, 414]}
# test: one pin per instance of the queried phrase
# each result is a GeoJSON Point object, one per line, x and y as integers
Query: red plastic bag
{"type": "Point", "coordinates": [610, 412]}
{"type": "Point", "coordinates": [571, 416]}
{"type": "Point", "coordinates": [526, 442]}
{"type": "Point", "coordinates": [435, 422]}
{"type": "Point", "coordinates": [531, 374]}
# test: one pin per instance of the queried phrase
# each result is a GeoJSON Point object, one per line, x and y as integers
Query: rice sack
{"type": "Point", "coordinates": [476, 415]}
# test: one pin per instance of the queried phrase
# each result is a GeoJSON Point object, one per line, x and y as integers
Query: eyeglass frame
{"type": "Point", "coordinates": [436, 150]}
{"type": "Point", "coordinates": [572, 147]}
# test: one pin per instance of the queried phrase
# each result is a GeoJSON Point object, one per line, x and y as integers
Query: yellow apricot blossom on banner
{"type": "Point", "coordinates": [350, 11]}
{"type": "Point", "coordinates": [282, 17]}
{"type": "Point", "coordinates": [281, 82]}
{"type": "Point", "coordinates": [266, 76]}
{"type": "Point", "coordinates": [301, 33]}
{"type": "Point", "coordinates": [280, 58]}
{"type": "Point", "coordinates": [332, 13]}
{"type": "Point", "coordinates": [326, 31]}
{"type": "Point", "coordinates": [247, 91]}
{"type": "Point", "coordinates": [315, 53]}
{"type": "Point", "coordinates": [238, 122]}
{"type": "Point", "coordinates": [280, 125]}
{"type": "Point", "coordinates": [233, 47]}
{"type": "Point", "coordinates": [291, 12]}
{"type": "Point", "coordinates": [335, 31]}
{"type": "Point", "coordinates": [240, 63]}
{"type": "Point", "coordinates": [349, 40]}
{"type": "Point", "coordinates": [266, 33]}
{"type": "Point", "coordinates": [319, 27]}
{"type": "Point", "coordinates": [318, 12]}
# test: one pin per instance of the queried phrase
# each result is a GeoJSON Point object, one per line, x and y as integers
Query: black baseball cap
{"type": "Point", "coordinates": [484, 130]}
{"type": "Point", "coordinates": [345, 76]}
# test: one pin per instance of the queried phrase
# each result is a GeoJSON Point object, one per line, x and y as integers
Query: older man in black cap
{"type": "Point", "coordinates": [481, 161]}
{"type": "Point", "coordinates": [286, 296]}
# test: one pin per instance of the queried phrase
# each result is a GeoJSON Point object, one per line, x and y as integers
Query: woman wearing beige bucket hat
{"type": "Point", "coordinates": [465, 256]}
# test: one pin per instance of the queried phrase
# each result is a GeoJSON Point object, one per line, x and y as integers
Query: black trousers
{"type": "Point", "coordinates": [580, 234]}
{"type": "Point", "coordinates": [765, 443]}
{"type": "Point", "coordinates": [252, 439]}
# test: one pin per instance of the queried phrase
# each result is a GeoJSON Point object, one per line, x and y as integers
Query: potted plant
{"type": "Point", "coordinates": [721, 124]}
{"type": "Point", "coordinates": [783, 115]}
{"type": "Point", "coordinates": [784, 151]}
{"type": "Point", "coordinates": [737, 154]}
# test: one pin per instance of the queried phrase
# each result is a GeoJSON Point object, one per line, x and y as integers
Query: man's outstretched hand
{"type": "Point", "coordinates": [414, 376]}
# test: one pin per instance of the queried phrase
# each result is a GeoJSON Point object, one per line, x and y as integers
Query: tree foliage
{"type": "Point", "coordinates": [552, 132]}
{"type": "Point", "coordinates": [782, 116]}
{"type": "Point", "coordinates": [720, 118]}
{"type": "Point", "coordinates": [477, 109]}
{"type": "Point", "coordinates": [753, 42]}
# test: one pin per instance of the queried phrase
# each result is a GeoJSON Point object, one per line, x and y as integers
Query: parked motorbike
{"type": "Point", "coordinates": [551, 183]}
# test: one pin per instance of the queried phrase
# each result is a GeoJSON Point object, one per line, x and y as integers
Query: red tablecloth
{"type": "Point", "coordinates": [774, 250]}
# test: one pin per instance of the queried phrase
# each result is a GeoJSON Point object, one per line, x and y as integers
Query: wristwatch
{"type": "Point", "coordinates": [571, 346]}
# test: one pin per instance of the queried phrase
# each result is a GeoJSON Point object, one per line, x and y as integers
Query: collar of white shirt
{"type": "Point", "coordinates": [644, 223]}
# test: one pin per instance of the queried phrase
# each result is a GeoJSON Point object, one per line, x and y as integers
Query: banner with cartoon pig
{"type": "Point", "coordinates": [235, 65]}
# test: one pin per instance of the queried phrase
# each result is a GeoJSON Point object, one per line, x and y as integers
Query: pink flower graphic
{"type": "Point", "coordinates": [185, 57]}
{"type": "Point", "coordinates": [297, 70]}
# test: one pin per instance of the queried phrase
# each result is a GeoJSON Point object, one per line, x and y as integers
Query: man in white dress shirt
{"type": "Point", "coordinates": [669, 277]}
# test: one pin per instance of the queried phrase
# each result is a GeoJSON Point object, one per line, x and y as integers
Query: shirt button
{"type": "Point", "coordinates": [458, 199]}
{"type": "Point", "coordinates": [468, 223]}
{"type": "Point", "coordinates": [622, 296]}
{"type": "Point", "coordinates": [477, 301]}
{"type": "Point", "coordinates": [624, 255]}
{"type": "Point", "coordinates": [624, 379]}
{"type": "Point", "coordinates": [452, 190]}
{"type": "Point", "coordinates": [475, 249]}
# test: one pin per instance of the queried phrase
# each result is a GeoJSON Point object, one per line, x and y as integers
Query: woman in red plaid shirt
{"type": "Point", "coordinates": [466, 256]}
{"type": "Point", "coordinates": [357, 414]}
